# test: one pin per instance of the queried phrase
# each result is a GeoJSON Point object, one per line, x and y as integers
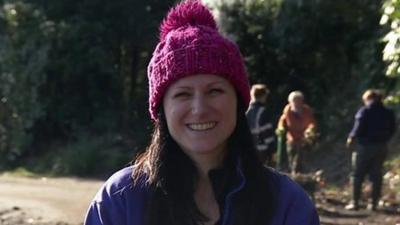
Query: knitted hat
{"type": "Point", "coordinates": [190, 44]}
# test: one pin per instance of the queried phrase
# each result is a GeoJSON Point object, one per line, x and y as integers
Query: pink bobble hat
{"type": "Point", "coordinates": [190, 44]}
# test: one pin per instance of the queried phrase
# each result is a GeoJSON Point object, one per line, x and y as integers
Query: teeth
{"type": "Point", "coordinates": [202, 126]}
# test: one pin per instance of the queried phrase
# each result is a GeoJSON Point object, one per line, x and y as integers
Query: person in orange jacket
{"type": "Point", "coordinates": [298, 121]}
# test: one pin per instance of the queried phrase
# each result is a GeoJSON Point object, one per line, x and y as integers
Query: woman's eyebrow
{"type": "Point", "coordinates": [183, 87]}
{"type": "Point", "coordinates": [188, 87]}
{"type": "Point", "coordinates": [215, 82]}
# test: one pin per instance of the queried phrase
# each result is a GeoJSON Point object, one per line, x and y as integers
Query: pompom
{"type": "Point", "coordinates": [190, 12]}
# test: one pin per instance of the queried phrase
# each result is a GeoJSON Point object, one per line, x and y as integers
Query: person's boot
{"type": "Point", "coordinates": [352, 206]}
{"type": "Point", "coordinates": [372, 206]}
{"type": "Point", "coordinates": [376, 192]}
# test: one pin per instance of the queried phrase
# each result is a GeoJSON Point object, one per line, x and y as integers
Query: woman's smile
{"type": "Point", "coordinates": [201, 126]}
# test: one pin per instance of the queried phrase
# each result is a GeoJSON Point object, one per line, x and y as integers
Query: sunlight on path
{"type": "Point", "coordinates": [52, 199]}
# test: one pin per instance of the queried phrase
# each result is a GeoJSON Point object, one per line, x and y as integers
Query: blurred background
{"type": "Point", "coordinates": [73, 83]}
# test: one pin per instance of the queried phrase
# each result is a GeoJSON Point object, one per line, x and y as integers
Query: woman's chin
{"type": "Point", "coordinates": [203, 151]}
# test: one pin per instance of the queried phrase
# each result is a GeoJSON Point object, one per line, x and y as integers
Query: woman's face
{"type": "Point", "coordinates": [201, 114]}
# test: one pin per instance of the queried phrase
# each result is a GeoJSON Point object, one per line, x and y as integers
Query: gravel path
{"type": "Point", "coordinates": [44, 200]}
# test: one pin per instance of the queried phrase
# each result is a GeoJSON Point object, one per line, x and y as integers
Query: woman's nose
{"type": "Point", "coordinates": [199, 104]}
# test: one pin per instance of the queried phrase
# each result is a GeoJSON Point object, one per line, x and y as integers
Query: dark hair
{"type": "Point", "coordinates": [258, 90]}
{"type": "Point", "coordinates": [171, 175]}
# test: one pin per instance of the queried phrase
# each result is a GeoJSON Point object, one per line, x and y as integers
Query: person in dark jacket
{"type": "Point", "coordinates": [201, 166]}
{"type": "Point", "coordinates": [261, 126]}
{"type": "Point", "coordinates": [374, 125]}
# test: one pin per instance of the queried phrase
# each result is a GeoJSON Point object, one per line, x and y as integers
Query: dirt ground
{"type": "Point", "coordinates": [331, 211]}
{"type": "Point", "coordinates": [50, 201]}
{"type": "Point", "coordinates": [63, 201]}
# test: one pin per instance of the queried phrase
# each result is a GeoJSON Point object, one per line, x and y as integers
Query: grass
{"type": "Point", "coordinates": [23, 172]}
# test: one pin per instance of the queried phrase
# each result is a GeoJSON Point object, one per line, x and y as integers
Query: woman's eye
{"type": "Point", "coordinates": [181, 94]}
{"type": "Point", "coordinates": [215, 91]}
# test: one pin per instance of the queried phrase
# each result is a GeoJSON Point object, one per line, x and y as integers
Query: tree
{"type": "Point", "coordinates": [72, 67]}
{"type": "Point", "coordinates": [22, 61]}
{"type": "Point", "coordinates": [391, 53]}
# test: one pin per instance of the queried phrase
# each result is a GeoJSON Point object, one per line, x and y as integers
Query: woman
{"type": "Point", "coordinates": [201, 166]}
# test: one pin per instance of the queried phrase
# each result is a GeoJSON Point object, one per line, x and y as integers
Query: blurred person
{"type": "Point", "coordinates": [201, 166]}
{"type": "Point", "coordinates": [373, 127]}
{"type": "Point", "coordinates": [259, 119]}
{"type": "Point", "coordinates": [298, 122]}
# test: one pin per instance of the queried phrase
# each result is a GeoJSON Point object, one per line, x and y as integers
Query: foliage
{"type": "Point", "coordinates": [98, 63]}
{"type": "Point", "coordinates": [90, 155]}
{"type": "Point", "coordinates": [69, 68]}
{"type": "Point", "coordinates": [21, 74]}
{"type": "Point", "coordinates": [96, 156]}
{"type": "Point", "coordinates": [391, 52]}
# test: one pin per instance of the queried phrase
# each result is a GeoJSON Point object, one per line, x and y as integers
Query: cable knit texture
{"type": "Point", "coordinates": [190, 44]}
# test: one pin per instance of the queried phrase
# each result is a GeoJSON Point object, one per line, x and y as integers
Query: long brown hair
{"type": "Point", "coordinates": [171, 175]}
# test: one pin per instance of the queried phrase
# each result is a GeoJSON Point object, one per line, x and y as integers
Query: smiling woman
{"type": "Point", "coordinates": [201, 166]}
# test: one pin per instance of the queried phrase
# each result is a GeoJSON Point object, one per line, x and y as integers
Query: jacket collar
{"type": "Point", "coordinates": [226, 182]}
